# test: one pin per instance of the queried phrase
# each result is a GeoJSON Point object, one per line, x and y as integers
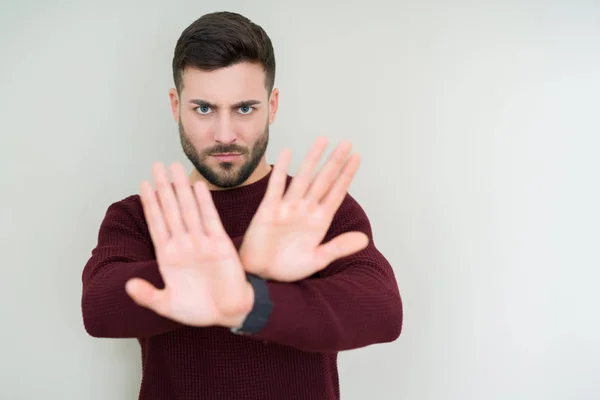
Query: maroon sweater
{"type": "Point", "coordinates": [352, 303]}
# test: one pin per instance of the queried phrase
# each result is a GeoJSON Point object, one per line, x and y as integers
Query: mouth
{"type": "Point", "coordinates": [227, 156]}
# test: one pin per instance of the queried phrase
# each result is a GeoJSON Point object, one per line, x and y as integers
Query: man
{"type": "Point", "coordinates": [238, 281]}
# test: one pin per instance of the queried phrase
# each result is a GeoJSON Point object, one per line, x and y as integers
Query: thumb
{"type": "Point", "coordinates": [145, 294]}
{"type": "Point", "coordinates": [341, 246]}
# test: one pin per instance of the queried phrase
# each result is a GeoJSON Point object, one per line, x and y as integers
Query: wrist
{"type": "Point", "coordinates": [238, 320]}
{"type": "Point", "coordinates": [257, 317]}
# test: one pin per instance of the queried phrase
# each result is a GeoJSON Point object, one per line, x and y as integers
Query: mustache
{"type": "Point", "coordinates": [232, 148]}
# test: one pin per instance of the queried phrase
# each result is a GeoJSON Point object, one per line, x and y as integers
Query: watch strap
{"type": "Point", "coordinates": [261, 310]}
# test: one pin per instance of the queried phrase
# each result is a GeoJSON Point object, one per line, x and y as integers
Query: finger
{"type": "Point", "coordinates": [187, 201]}
{"type": "Point", "coordinates": [341, 246]}
{"type": "Point", "coordinates": [330, 171]}
{"type": "Point", "coordinates": [304, 177]}
{"type": "Point", "coordinates": [277, 181]}
{"type": "Point", "coordinates": [144, 294]}
{"type": "Point", "coordinates": [153, 214]}
{"type": "Point", "coordinates": [168, 200]}
{"type": "Point", "coordinates": [208, 212]}
{"type": "Point", "coordinates": [337, 193]}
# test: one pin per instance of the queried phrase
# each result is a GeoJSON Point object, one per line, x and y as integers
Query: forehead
{"type": "Point", "coordinates": [227, 85]}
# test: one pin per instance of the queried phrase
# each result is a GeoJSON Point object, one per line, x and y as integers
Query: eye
{"type": "Point", "coordinates": [246, 109]}
{"type": "Point", "coordinates": [202, 109]}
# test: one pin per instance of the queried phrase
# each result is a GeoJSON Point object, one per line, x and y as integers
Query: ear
{"type": "Point", "coordinates": [174, 98]}
{"type": "Point", "coordinates": [273, 104]}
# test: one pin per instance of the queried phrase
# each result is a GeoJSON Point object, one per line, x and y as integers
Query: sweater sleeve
{"type": "Point", "coordinates": [123, 252]}
{"type": "Point", "coordinates": [353, 303]}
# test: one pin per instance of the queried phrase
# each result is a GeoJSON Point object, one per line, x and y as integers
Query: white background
{"type": "Point", "coordinates": [478, 126]}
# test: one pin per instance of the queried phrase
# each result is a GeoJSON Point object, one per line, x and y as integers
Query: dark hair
{"type": "Point", "coordinates": [219, 40]}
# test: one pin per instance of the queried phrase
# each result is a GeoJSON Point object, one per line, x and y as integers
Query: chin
{"type": "Point", "coordinates": [227, 174]}
{"type": "Point", "coordinates": [230, 164]}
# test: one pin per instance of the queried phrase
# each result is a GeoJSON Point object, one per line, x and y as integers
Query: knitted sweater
{"type": "Point", "coordinates": [352, 303]}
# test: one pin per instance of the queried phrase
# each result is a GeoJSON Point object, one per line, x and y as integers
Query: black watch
{"type": "Point", "coordinates": [259, 315]}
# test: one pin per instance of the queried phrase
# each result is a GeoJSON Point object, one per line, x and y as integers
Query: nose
{"type": "Point", "coordinates": [224, 131]}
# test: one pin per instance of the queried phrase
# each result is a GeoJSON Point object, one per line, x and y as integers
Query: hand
{"type": "Point", "coordinates": [283, 240]}
{"type": "Point", "coordinates": [205, 283]}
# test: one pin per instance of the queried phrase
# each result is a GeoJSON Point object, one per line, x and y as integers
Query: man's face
{"type": "Point", "coordinates": [224, 117]}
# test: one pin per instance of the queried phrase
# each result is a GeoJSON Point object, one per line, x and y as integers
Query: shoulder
{"type": "Point", "coordinates": [350, 216]}
{"type": "Point", "coordinates": [127, 213]}
{"type": "Point", "coordinates": [130, 205]}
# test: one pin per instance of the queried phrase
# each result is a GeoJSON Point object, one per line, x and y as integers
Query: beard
{"type": "Point", "coordinates": [226, 175]}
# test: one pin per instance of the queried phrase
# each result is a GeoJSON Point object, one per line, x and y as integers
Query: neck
{"type": "Point", "coordinates": [260, 172]}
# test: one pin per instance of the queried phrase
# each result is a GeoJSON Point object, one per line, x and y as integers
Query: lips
{"type": "Point", "coordinates": [226, 156]}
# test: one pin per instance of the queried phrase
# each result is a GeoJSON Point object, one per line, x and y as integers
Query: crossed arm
{"type": "Point", "coordinates": [351, 302]}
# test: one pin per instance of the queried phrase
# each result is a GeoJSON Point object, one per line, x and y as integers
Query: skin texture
{"type": "Point", "coordinates": [204, 275]}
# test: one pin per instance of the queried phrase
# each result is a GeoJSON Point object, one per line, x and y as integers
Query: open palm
{"type": "Point", "coordinates": [205, 283]}
{"type": "Point", "coordinates": [283, 241]}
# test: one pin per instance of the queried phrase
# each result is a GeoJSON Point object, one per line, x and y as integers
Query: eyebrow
{"type": "Point", "coordinates": [243, 103]}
